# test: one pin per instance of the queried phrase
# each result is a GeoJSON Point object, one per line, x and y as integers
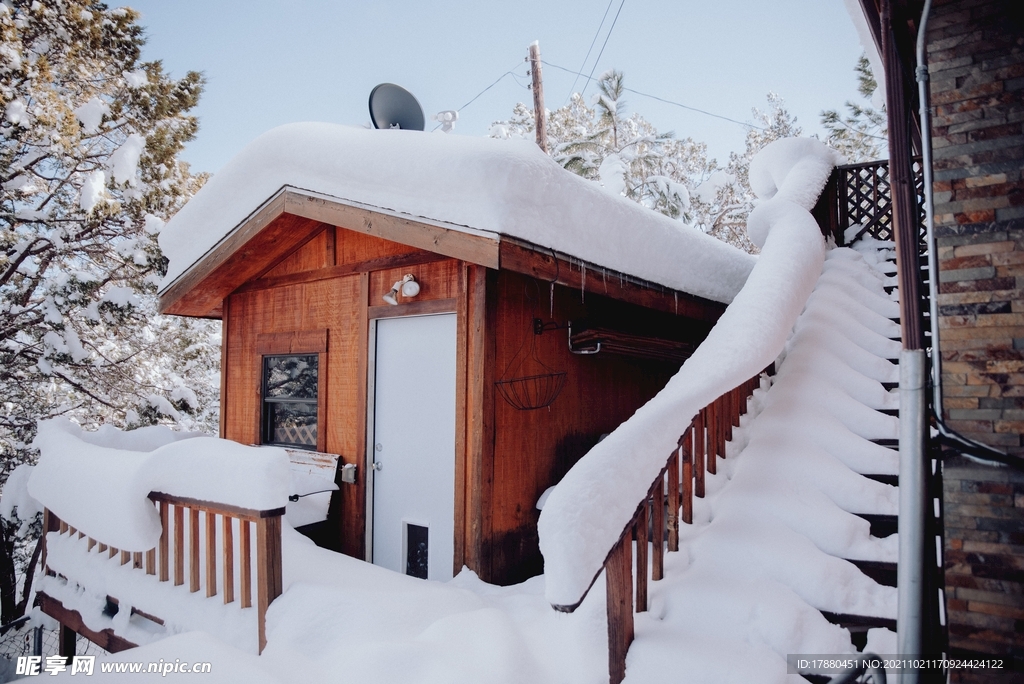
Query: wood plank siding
{"type": "Point", "coordinates": [306, 285]}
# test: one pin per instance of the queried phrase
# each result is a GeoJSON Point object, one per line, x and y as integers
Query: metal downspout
{"type": "Point", "coordinates": [913, 508]}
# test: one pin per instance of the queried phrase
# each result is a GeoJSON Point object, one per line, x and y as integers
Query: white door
{"type": "Point", "coordinates": [412, 454]}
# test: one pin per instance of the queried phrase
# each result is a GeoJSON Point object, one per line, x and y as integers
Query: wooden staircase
{"type": "Point", "coordinates": [882, 525]}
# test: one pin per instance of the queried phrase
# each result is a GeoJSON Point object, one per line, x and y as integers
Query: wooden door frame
{"type": "Point", "coordinates": [411, 310]}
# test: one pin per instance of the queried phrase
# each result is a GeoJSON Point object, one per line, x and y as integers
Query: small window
{"type": "Point", "coordinates": [290, 386]}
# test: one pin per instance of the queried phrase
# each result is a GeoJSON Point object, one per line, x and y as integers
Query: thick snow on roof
{"type": "Point", "coordinates": [506, 187]}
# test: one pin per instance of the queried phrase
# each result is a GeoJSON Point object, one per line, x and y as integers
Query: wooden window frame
{"type": "Point", "coordinates": [298, 343]}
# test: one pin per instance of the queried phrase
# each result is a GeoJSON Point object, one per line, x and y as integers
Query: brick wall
{"type": "Point", "coordinates": [976, 57]}
{"type": "Point", "coordinates": [984, 558]}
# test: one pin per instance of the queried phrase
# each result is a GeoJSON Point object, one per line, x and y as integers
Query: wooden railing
{"type": "Point", "coordinates": [682, 478]}
{"type": "Point", "coordinates": [170, 558]}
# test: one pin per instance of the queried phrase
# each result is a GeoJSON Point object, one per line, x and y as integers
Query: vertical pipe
{"type": "Point", "coordinates": [913, 508]}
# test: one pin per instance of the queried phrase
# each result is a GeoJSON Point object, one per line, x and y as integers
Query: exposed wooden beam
{"type": "Point", "coordinates": [380, 264]}
{"type": "Point", "coordinates": [434, 237]}
{"type": "Point", "coordinates": [904, 196]}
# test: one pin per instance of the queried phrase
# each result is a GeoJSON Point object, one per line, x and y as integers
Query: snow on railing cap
{"type": "Point", "coordinates": [99, 482]}
{"type": "Point", "coordinates": [787, 170]}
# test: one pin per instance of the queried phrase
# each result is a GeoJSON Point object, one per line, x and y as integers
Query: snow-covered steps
{"type": "Point", "coordinates": [882, 525]}
{"type": "Point", "coordinates": [880, 571]}
{"type": "Point", "coordinates": [805, 503]}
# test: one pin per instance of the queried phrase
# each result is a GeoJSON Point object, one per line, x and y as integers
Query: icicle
{"type": "Point", "coordinates": [675, 296]}
{"type": "Point", "coordinates": [604, 278]}
{"type": "Point", "coordinates": [552, 314]}
{"type": "Point", "coordinates": [583, 281]}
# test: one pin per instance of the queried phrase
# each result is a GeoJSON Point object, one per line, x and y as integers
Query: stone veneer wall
{"type": "Point", "coordinates": [976, 58]}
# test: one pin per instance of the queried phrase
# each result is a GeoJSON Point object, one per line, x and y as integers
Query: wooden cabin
{"type": "Point", "coordinates": [459, 398]}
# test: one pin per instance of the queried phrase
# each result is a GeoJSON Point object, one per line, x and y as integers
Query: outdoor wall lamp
{"type": "Point", "coordinates": [408, 287]}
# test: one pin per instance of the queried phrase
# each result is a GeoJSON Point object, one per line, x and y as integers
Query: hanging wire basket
{"type": "Point", "coordinates": [528, 383]}
{"type": "Point", "coordinates": [533, 391]}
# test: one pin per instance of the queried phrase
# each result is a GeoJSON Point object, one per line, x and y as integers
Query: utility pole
{"type": "Point", "coordinates": [540, 123]}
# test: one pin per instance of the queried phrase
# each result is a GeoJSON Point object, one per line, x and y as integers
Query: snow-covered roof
{"type": "Point", "coordinates": [495, 188]}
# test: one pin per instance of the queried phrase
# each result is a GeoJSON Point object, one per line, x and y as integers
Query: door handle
{"type": "Point", "coordinates": [377, 465]}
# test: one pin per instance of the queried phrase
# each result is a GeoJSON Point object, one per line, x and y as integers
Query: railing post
{"type": "Point", "coordinates": [658, 529]}
{"type": "Point", "coordinates": [672, 471]}
{"type": "Point", "coordinates": [66, 643]}
{"type": "Point", "coordinates": [641, 558]}
{"type": "Point", "coordinates": [269, 580]}
{"type": "Point", "coordinates": [687, 482]}
{"type": "Point", "coordinates": [618, 574]}
{"type": "Point", "coordinates": [713, 426]}
{"type": "Point", "coordinates": [193, 549]}
{"type": "Point", "coordinates": [699, 441]}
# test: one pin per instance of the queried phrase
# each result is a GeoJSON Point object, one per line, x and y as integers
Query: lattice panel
{"type": "Point", "coordinates": [865, 200]}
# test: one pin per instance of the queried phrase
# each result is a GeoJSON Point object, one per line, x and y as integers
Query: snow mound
{"type": "Point", "coordinates": [588, 510]}
{"type": "Point", "coordinates": [499, 187]}
{"type": "Point", "coordinates": [99, 482]}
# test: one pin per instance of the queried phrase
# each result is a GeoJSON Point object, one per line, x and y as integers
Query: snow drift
{"type": "Point", "coordinates": [500, 187]}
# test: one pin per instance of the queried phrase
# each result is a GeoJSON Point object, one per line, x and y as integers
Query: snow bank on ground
{"type": "Point", "coordinates": [387, 627]}
{"type": "Point", "coordinates": [99, 482]}
{"type": "Point", "coordinates": [506, 187]}
{"type": "Point", "coordinates": [588, 510]}
{"type": "Point", "coordinates": [228, 666]}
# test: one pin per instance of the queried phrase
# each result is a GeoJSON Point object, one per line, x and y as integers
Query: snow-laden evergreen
{"type": "Point", "coordinates": [89, 138]}
{"type": "Point", "coordinates": [628, 156]}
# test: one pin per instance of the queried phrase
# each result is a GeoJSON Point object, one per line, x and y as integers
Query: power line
{"type": "Point", "coordinates": [596, 34]}
{"type": "Point", "coordinates": [671, 102]}
{"type": "Point", "coordinates": [603, 45]}
{"type": "Point", "coordinates": [496, 81]}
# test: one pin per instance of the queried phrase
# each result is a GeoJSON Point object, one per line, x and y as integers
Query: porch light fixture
{"type": "Point", "coordinates": [408, 287]}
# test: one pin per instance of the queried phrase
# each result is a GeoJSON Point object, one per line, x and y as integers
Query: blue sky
{"type": "Point", "coordinates": [270, 63]}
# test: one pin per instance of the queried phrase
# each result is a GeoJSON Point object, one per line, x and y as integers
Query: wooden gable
{"type": "Point", "coordinates": [267, 242]}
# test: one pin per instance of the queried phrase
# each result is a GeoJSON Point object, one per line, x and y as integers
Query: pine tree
{"type": "Point", "coordinates": [630, 157]}
{"type": "Point", "coordinates": [625, 154]}
{"type": "Point", "coordinates": [725, 202]}
{"type": "Point", "coordinates": [88, 172]}
{"type": "Point", "coordinates": [860, 135]}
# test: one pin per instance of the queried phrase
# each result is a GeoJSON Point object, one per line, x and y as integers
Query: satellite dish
{"type": "Point", "coordinates": [393, 106]}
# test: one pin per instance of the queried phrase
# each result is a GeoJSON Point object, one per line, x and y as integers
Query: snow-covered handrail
{"type": "Point", "coordinates": [589, 510]}
{"type": "Point", "coordinates": [699, 447]}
